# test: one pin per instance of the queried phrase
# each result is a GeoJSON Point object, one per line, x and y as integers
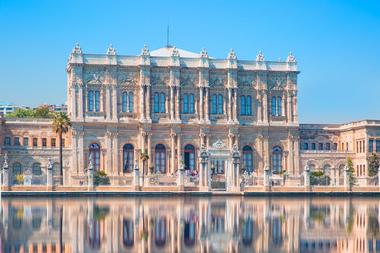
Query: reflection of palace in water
{"type": "Point", "coordinates": [190, 225]}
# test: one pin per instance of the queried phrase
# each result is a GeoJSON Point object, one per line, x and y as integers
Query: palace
{"type": "Point", "coordinates": [171, 119]}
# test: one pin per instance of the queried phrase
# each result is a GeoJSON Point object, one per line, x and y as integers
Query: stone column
{"type": "Point", "coordinates": [295, 112]}
{"type": "Point", "coordinates": [266, 177]}
{"type": "Point", "coordinates": [74, 152]}
{"type": "Point", "coordinates": [307, 178]}
{"type": "Point", "coordinates": [178, 101]}
{"type": "Point", "coordinates": [147, 98]}
{"type": "Point", "coordinates": [291, 155]}
{"type": "Point", "coordinates": [289, 107]}
{"type": "Point", "coordinates": [235, 110]}
{"type": "Point", "coordinates": [5, 173]}
{"type": "Point", "coordinates": [108, 102]}
{"type": "Point", "coordinates": [149, 162]}
{"type": "Point", "coordinates": [259, 106]}
{"type": "Point", "coordinates": [136, 176]}
{"type": "Point", "coordinates": [90, 175]}
{"type": "Point", "coordinates": [179, 150]}
{"type": "Point", "coordinates": [201, 106]}
{"type": "Point", "coordinates": [74, 101]}
{"type": "Point", "coordinates": [80, 102]}
{"type": "Point", "coordinates": [207, 118]}
{"type": "Point", "coordinates": [108, 168]}
{"type": "Point", "coordinates": [49, 180]}
{"type": "Point", "coordinates": [265, 106]}
{"type": "Point", "coordinates": [114, 103]}
{"type": "Point", "coordinates": [347, 185]}
{"type": "Point", "coordinates": [116, 151]}
{"type": "Point", "coordinates": [229, 105]}
{"type": "Point", "coordinates": [180, 179]}
{"type": "Point", "coordinates": [172, 102]}
{"type": "Point", "coordinates": [378, 178]}
{"type": "Point", "coordinates": [142, 103]}
{"type": "Point", "coordinates": [80, 153]}
{"type": "Point", "coordinates": [173, 145]}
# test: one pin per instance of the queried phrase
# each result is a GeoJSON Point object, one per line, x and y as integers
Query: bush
{"type": "Point", "coordinates": [319, 178]}
{"type": "Point", "coordinates": [101, 178]}
{"type": "Point", "coordinates": [19, 179]}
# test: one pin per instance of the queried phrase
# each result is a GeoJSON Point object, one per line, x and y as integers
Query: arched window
{"type": "Point", "coordinates": [191, 103]}
{"type": "Point", "coordinates": [130, 102]}
{"type": "Point", "coordinates": [185, 103]}
{"type": "Point", "coordinates": [162, 102]}
{"type": "Point", "coordinates": [156, 103]}
{"type": "Point", "coordinates": [249, 105]}
{"type": "Point", "coordinates": [17, 169]}
{"type": "Point", "coordinates": [160, 232]}
{"type": "Point", "coordinates": [128, 158]}
{"type": "Point", "coordinates": [160, 158]}
{"type": "Point", "coordinates": [274, 107]}
{"type": "Point", "coordinates": [94, 153]}
{"type": "Point", "coordinates": [242, 106]}
{"type": "Point", "coordinates": [248, 159]}
{"type": "Point", "coordinates": [220, 104]}
{"type": "Point", "coordinates": [56, 170]}
{"type": "Point", "coordinates": [279, 106]}
{"type": "Point", "coordinates": [97, 101]}
{"type": "Point", "coordinates": [90, 100]}
{"type": "Point", "coordinates": [124, 101]}
{"type": "Point", "coordinates": [277, 159]}
{"type": "Point", "coordinates": [213, 104]}
{"type": "Point", "coordinates": [189, 157]}
{"type": "Point", "coordinates": [36, 169]}
{"type": "Point", "coordinates": [128, 233]}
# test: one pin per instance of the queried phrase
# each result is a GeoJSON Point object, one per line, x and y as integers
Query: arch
{"type": "Point", "coordinates": [128, 158]}
{"type": "Point", "coordinates": [277, 159]}
{"type": "Point", "coordinates": [36, 169]}
{"type": "Point", "coordinates": [248, 159]}
{"type": "Point", "coordinates": [94, 153]}
{"type": "Point", "coordinates": [128, 233]}
{"type": "Point", "coordinates": [160, 232]}
{"type": "Point", "coordinates": [189, 156]}
{"type": "Point", "coordinates": [160, 158]}
{"type": "Point", "coordinates": [16, 169]}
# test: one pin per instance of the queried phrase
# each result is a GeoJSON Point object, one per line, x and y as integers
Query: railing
{"type": "Point", "coordinates": [160, 180]}
{"type": "Point", "coordinates": [191, 180]}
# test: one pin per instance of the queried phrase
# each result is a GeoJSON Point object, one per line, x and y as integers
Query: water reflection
{"type": "Point", "coordinates": [190, 225]}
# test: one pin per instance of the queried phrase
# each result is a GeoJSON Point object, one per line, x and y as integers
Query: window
{"type": "Point", "coordinates": [188, 103]}
{"type": "Point", "coordinates": [36, 169]}
{"type": "Point", "coordinates": [44, 142]}
{"type": "Point", "coordinates": [191, 103]}
{"type": "Point", "coordinates": [128, 158]}
{"type": "Point", "coordinates": [162, 102]}
{"type": "Point", "coordinates": [26, 141]}
{"type": "Point", "coordinates": [213, 104]}
{"type": "Point", "coordinates": [248, 159]}
{"type": "Point", "coordinates": [160, 160]}
{"type": "Point", "coordinates": [242, 105]}
{"type": "Point", "coordinates": [17, 141]}
{"type": "Point", "coordinates": [16, 169]}
{"type": "Point", "coordinates": [277, 159]}
{"type": "Point", "coordinates": [185, 104]}
{"type": "Point", "coordinates": [370, 146]}
{"type": "Point", "coordinates": [335, 146]}
{"type": "Point", "coordinates": [7, 141]}
{"type": "Point", "coordinates": [274, 106]}
{"type": "Point", "coordinates": [97, 101]}
{"type": "Point", "coordinates": [377, 144]}
{"type": "Point", "coordinates": [220, 104]}
{"type": "Point", "coordinates": [249, 105]}
{"type": "Point", "coordinates": [320, 146]}
{"type": "Point", "coordinates": [156, 103]}
{"type": "Point", "coordinates": [306, 146]}
{"type": "Point", "coordinates": [279, 106]}
{"type": "Point", "coordinates": [53, 143]}
{"type": "Point", "coordinates": [35, 142]}
{"type": "Point", "coordinates": [217, 104]}
{"type": "Point", "coordinates": [189, 155]}
{"type": "Point", "coordinates": [94, 154]}
{"type": "Point", "coordinates": [127, 102]}
{"type": "Point", "coordinates": [328, 146]}
{"type": "Point", "coordinates": [313, 146]}
{"type": "Point", "coordinates": [90, 100]}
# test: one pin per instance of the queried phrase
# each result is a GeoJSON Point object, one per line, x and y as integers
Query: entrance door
{"type": "Point", "coordinates": [189, 157]}
{"type": "Point", "coordinates": [218, 174]}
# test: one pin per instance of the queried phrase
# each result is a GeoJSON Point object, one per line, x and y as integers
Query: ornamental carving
{"type": "Point", "coordinates": [127, 78]}
{"type": "Point", "coordinates": [159, 77]}
{"type": "Point", "coordinates": [219, 144]}
{"type": "Point", "coordinates": [188, 78]}
{"type": "Point", "coordinates": [277, 81]}
{"type": "Point", "coordinates": [94, 76]}
{"type": "Point", "coordinates": [217, 79]}
{"type": "Point", "coordinates": [246, 78]}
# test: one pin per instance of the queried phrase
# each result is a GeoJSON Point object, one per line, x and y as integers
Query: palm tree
{"type": "Point", "coordinates": [61, 124]}
{"type": "Point", "coordinates": [144, 157]}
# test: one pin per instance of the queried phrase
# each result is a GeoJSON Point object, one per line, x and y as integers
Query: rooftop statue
{"type": "Point", "coordinates": [260, 56]}
{"type": "Point", "coordinates": [291, 58]}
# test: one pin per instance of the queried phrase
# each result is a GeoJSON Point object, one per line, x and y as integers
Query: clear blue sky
{"type": "Point", "coordinates": [337, 44]}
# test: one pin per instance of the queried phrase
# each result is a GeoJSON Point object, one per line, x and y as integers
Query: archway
{"type": "Point", "coordinates": [160, 158]}
{"type": "Point", "coordinates": [94, 154]}
{"type": "Point", "coordinates": [189, 156]}
{"type": "Point", "coordinates": [128, 152]}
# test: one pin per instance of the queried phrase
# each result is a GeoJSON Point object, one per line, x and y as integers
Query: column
{"type": "Point", "coordinates": [74, 101]}
{"type": "Point", "coordinates": [81, 153]}
{"type": "Point", "coordinates": [172, 102]}
{"type": "Point", "coordinates": [108, 168]}
{"type": "Point", "coordinates": [172, 164]}
{"type": "Point", "coordinates": [291, 155]}
{"type": "Point", "coordinates": [235, 98]}
{"type": "Point", "coordinates": [289, 108]}
{"type": "Point", "coordinates": [142, 103]}
{"type": "Point", "coordinates": [74, 152]}
{"type": "Point", "coordinates": [265, 106]}
{"type": "Point", "coordinates": [114, 103]}
{"type": "Point", "coordinates": [259, 106]}
{"type": "Point", "coordinates": [116, 151]}
{"type": "Point", "coordinates": [296, 162]}
{"type": "Point", "coordinates": [201, 108]}
{"type": "Point", "coordinates": [80, 102]}
{"type": "Point", "coordinates": [295, 113]}
{"type": "Point", "coordinates": [178, 100]}
{"type": "Point", "coordinates": [266, 151]}
{"type": "Point", "coordinates": [207, 118]}
{"type": "Point", "coordinates": [179, 150]}
{"type": "Point", "coordinates": [149, 135]}
{"type": "Point", "coordinates": [108, 102]}
{"type": "Point", "coordinates": [229, 106]}
{"type": "Point", "coordinates": [148, 109]}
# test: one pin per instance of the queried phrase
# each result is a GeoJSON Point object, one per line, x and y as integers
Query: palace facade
{"type": "Point", "coordinates": [147, 119]}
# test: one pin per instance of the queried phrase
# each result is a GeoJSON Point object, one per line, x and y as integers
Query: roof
{"type": "Point", "coordinates": [168, 51]}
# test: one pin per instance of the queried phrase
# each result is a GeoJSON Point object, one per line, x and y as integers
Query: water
{"type": "Point", "coordinates": [190, 224]}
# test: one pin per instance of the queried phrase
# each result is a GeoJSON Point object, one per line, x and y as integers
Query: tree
{"type": "Point", "coordinates": [42, 111]}
{"type": "Point", "coordinates": [373, 165]}
{"type": "Point", "coordinates": [21, 113]}
{"type": "Point", "coordinates": [351, 172]}
{"type": "Point", "coordinates": [61, 125]}
{"type": "Point", "coordinates": [144, 157]}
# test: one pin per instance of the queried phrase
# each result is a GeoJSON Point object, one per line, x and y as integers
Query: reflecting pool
{"type": "Point", "coordinates": [190, 224]}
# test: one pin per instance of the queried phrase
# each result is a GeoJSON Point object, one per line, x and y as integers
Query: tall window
{"type": "Point", "coordinates": [93, 100]}
{"type": "Point", "coordinates": [160, 158]}
{"type": "Point", "coordinates": [217, 104]}
{"type": "Point", "coordinates": [248, 158]}
{"type": "Point", "coordinates": [279, 106]}
{"type": "Point", "coordinates": [16, 169]}
{"type": "Point", "coordinates": [328, 146]}
{"type": "Point", "coordinates": [94, 154]}
{"type": "Point", "coordinates": [245, 105]}
{"type": "Point", "coordinates": [7, 141]}
{"type": "Point", "coordinates": [35, 142]}
{"type": "Point", "coordinates": [370, 146]}
{"type": "Point", "coordinates": [220, 104]}
{"type": "Point", "coordinates": [188, 103]}
{"type": "Point", "coordinates": [36, 169]}
{"type": "Point", "coordinates": [17, 141]}
{"type": "Point", "coordinates": [26, 141]}
{"type": "Point", "coordinates": [213, 104]}
{"type": "Point", "coordinates": [306, 146]}
{"type": "Point", "coordinates": [128, 158]}
{"type": "Point", "coordinates": [189, 157]}
{"type": "Point", "coordinates": [127, 102]}
{"type": "Point", "coordinates": [377, 145]}
{"type": "Point", "coordinates": [276, 106]}
{"type": "Point", "coordinates": [277, 159]}
{"type": "Point", "coordinates": [159, 102]}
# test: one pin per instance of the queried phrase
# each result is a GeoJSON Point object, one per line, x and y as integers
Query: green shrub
{"type": "Point", "coordinates": [19, 179]}
{"type": "Point", "coordinates": [101, 178]}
